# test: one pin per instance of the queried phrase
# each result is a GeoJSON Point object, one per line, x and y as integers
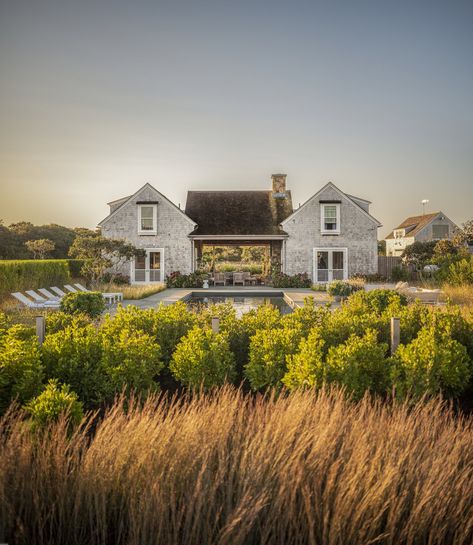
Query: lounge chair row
{"type": "Point", "coordinates": [52, 298]}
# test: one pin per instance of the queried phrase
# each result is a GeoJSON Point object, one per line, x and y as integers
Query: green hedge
{"type": "Point", "coordinates": [19, 275]}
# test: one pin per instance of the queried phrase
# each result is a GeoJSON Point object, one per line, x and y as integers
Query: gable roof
{"type": "Point", "coordinates": [126, 200]}
{"type": "Point", "coordinates": [238, 212]}
{"type": "Point", "coordinates": [414, 224]}
{"type": "Point", "coordinates": [350, 198]}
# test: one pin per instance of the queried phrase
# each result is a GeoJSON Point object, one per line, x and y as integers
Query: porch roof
{"type": "Point", "coordinates": [245, 214]}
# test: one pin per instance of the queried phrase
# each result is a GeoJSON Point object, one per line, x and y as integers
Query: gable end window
{"type": "Point", "coordinates": [147, 219]}
{"type": "Point", "coordinates": [440, 231]}
{"type": "Point", "coordinates": [330, 218]}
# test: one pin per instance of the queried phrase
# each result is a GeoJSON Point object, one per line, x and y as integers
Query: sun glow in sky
{"type": "Point", "coordinates": [97, 98]}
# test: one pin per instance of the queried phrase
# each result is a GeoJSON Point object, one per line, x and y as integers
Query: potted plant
{"type": "Point", "coordinates": [339, 290]}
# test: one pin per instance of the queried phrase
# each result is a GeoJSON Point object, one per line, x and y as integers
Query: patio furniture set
{"type": "Point", "coordinates": [234, 279]}
{"type": "Point", "coordinates": [51, 299]}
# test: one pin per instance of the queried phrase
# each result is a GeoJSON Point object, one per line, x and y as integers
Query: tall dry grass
{"type": "Point", "coordinates": [459, 295]}
{"type": "Point", "coordinates": [229, 469]}
{"type": "Point", "coordinates": [134, 292]}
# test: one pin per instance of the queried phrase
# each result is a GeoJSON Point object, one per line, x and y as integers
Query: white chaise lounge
{"type": "Point", "coordinates": [32, 304]}
{"type": "Point", "coordinates": [49, 295]}
{"type": "Point", "coordinates": [58, 291]}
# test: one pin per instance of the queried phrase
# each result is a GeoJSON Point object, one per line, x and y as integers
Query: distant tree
{"type": "Point", "coordinates": [419, 253]}
{"type": "Point", "coordinates": [6, 242]}
{"type": "Point", "coordinates": [253, 253]}
{"type": "Point", "coordinates": [40, 248]}
{"type": "Point", "coordinates": [23, 231]}
{"type": "Point", "coordinates": [381, 247]}
{"type": "Point", "coordinates": [465, 235]}
{"type": "Point", "coordinates": [101, 253]}
{"type": "Point", "coordinates": [21, 228]}
{"type": "Point", "coordinates": [85, 232]}
{"type": "Point", "coordinates": [445, 248]}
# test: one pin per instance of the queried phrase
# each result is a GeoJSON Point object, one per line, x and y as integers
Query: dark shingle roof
{"type": "Point", "coordinates": [238, 212]}
{"type": "Point", "coordinates": [415, 223]}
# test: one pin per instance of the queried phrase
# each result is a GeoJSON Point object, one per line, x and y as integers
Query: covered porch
{"type": "Point", "coordinates": [274, 246]}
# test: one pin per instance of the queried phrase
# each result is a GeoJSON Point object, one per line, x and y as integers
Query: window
{"type": "Point", "coordinates": [330, 218]}
{"type": "Point", "coordinates": [147, 219]}
{"type": "Point", "coordinates": [439, 232]}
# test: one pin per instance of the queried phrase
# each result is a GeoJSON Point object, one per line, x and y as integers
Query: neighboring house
{"type": "Point", "coordinates": [428, 227]}
{"type": "Point", "coordinates": [331, 236]}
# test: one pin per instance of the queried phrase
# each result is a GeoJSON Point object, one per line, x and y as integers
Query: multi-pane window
{"type": "Point", "coordinates": [440, 231]}
{"type": "Point", "coordinates": [330, 218]}
{"type": "Point", "coordinates": [147, 218]}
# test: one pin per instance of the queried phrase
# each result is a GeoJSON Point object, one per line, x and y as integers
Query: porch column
{"type": "Point", "coordinates": [198, 253]}
{"type": "Point", "coordinates": [275, 252]}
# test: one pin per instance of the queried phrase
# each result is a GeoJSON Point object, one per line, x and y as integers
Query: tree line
{"type": "Point", "coordinates": [23, 240]}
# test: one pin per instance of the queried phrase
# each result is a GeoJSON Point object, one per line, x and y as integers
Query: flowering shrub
{"type": "Point", "coordinates": [338, 288]}
{"type": "Point", "coordinates": [281, 280]}
{"type": "Point", "coordinates": [179, 280]}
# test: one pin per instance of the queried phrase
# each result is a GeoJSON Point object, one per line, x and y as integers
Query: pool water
{"type": "Point", "coordinates": [241, 304]}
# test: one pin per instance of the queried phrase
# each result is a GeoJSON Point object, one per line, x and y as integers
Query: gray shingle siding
{"type": "Point", "coordinates": [173, 228]}
{"type": "Point", "coordinates": [358, 233]}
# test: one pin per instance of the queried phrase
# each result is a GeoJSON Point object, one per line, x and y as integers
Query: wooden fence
{"type": "Point", "coordinates": [386, 264]}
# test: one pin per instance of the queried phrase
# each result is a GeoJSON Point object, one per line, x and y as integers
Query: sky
{"type": "Point", "coordinates": [98, 98]}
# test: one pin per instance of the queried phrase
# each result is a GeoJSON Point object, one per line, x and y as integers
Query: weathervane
{"type": "Point", "coordinates": [424, 202]}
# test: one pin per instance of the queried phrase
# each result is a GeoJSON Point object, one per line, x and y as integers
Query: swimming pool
{"type": "Point", "coordinates": [241, 303]}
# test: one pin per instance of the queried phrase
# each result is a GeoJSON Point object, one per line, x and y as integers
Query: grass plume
{"type": "Point", "coordinates": [225, 468]}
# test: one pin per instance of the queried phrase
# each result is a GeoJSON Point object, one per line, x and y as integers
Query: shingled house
{"type": "Point", "coordinates": [428, 227]}
{"type": "Point", "coordinates": [331, 236]}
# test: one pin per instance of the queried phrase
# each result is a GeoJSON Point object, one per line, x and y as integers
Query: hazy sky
{"type": "Point", "coordinates": [97, 98]}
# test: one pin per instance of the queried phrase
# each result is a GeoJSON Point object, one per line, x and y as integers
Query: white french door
{"type": "Point", "coordinates": [148, 268]}
{"type": "Point", "coordinates": [330, 264]}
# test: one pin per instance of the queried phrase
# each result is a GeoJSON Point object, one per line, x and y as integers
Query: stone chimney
{"type": "Point", "coordinates": [279, 183]}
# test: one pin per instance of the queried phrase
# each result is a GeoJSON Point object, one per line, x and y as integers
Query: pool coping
{"type": "Point", "coordinates": [293, 301]}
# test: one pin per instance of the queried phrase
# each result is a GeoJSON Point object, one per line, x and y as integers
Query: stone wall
{"type": "Point", "coordinates": [173, 228]}
{"type": "Point", "coordinates": [358, 233]}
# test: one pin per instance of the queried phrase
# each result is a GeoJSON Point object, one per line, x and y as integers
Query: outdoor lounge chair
{"type": "Point", "coordinates": [219, 278]}
{"type": "Point", "coordinates": [239, 278]}
{"type": "Point", "coordinates": [31, 304]}
{"type": "Point", "coordinates": [58, 291]}
{"type": "Point", "coordinates": [36, 296]}
{"type": "Point", "coordinates": [70, 288]}
{"type": "Point", "coordinates": [49, 295]}
{"type": "Point", "coordinates": [80, 287]}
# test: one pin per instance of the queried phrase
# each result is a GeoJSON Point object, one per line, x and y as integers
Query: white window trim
{"type": "Point", "coordinates": [330, 261]}
{"type": "Point", "coordinates": [324, 231]}
{"type": "Point", "coordinates": [147, 263]}
{"type": "Point", "coordinates": [153, 231]}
